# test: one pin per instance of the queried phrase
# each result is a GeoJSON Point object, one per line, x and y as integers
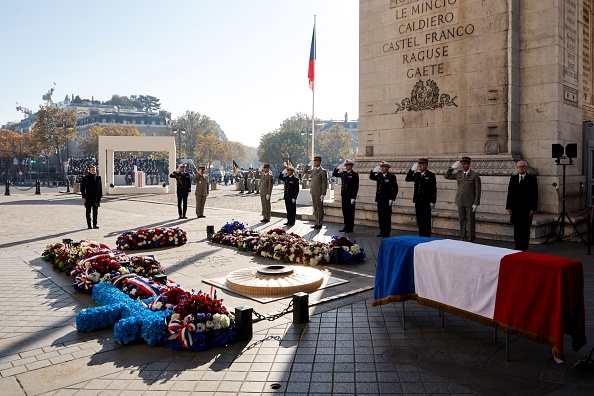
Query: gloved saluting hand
{"type": "Point", "coordinates": [414, 167]}
{"type": "Point", "coordinates": [456, 165]}
{"type": "Point", "coordinates": [376, 169]}
{"type": "Point", "coordinates": [310, 163]}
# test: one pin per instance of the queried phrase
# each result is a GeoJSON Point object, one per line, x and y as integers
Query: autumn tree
{"type": "Point", "coordinates": [196, 126]}
{"type": "Point", "coordinates": [89, 145]}
{"type": "Point", "coordinates": [209, 149]}
{"type": "Point", "coordinates": [52, 129]}
{"type": "Point", "coordinates": [293, 137]}
{"type": "Point", "coordinates": [334, 145]}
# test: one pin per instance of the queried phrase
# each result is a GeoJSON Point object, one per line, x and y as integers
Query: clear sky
{"type": "Point", "coordinates": [241, 62]}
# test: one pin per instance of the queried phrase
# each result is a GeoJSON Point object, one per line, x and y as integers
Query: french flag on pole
{"type": "Point", "coordinates": [312, 59]}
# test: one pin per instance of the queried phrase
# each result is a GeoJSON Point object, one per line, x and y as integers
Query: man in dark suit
{"type": "Point", "coordinates": [425, 194]}
{"type": "Point", "coordinates": [468, 196]}
{"type": "Point", "coordinates": [522, 203]}
{"type": "Point", "coordinates": [183, 188]}
{"type": "Point", "coordinates": [385, 195]}
{"type": "Point", "coordinates": [348, 191]}
{"type": "Point", "coordinates": [290, 194]}
{"type": "Point", "coordinates": [92, 192]}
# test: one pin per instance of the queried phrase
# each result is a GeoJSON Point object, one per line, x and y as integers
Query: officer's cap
{"type": "Point", "coordinates": [266, 166]}
{"type": "Point", "coordinates": [465, 159]}
{"type": "Point", "coordinates": [349, 162]}
{"type": "Point", "coordinates": [423, 161]}
{"type": "Point", "coordinates": [290, 168]}
{"type": "Point", "coordinates": [318, 158]}
{"type": "Point", "coordinates": [202, 167]}
{"type": "Point", "coordinates": [386, 164]}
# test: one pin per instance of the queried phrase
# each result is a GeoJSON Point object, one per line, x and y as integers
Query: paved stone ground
{"type": "Point", "coordinates": [349, 347]}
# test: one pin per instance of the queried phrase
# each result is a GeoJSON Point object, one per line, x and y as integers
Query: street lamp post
{"type": "Point", "coordinates": [307, 134]}
{"type": "Point", "coordinates": [178, 130]}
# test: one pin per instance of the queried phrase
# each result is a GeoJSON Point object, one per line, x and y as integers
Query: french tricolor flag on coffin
{"type": "Point", "coordinates": [534, 296]}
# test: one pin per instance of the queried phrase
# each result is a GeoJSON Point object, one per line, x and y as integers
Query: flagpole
{"type": "Point", "coordinates": [313, 100]}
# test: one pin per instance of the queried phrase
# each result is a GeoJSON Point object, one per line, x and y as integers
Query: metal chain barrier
{"type": "Point", "coordinates": [275, 316]}
{"type": "Point", "coordinates": [22, 189]}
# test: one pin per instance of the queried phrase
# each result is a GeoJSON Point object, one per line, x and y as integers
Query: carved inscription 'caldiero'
{"type": "Point", "coordinates": [425, 27]}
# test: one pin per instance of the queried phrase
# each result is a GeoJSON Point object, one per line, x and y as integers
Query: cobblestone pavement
{"type": "Point", "coordinates": [347, 348]}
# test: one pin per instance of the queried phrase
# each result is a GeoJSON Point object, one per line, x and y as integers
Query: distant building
{"type": "Point", "coordinates": [350, 126]}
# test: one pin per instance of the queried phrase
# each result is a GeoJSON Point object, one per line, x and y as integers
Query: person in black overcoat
{"type": "Point", "coordinates": [290, 194]}
{"type": "Point", "coordinates": [522, 203]}
{"type": "Point", "coordinates": [92, 192]}
{"type": "Point", "coordinates": [348, 192]}
{"type": "Point", "coordinates": [425, 194]}
{"type": "Point", "coordinates": [184, 187]}
{"type": "Point", "coordinates": [385, 195]}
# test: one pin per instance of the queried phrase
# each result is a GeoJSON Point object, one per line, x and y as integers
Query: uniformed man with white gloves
{"type": "Point", "coordinates": [317, 187]}
{"type": "Point", "coordinates": [348, 192]}
{"type": "Point", "coordinates": [266, 183]}
{"type": "Point", "coordinates": [424, 195]}
{"type": "Point", "coordinates": [290, 194]}
{"type": "Point", "coordinates": [468, 196]}
{"type": "Point", "coordinates": [385, 195]}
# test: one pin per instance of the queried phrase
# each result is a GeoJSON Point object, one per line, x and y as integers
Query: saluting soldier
{"type": "Point", "coordinates": [348, 192]}
{"type": "Point", "coordinates": [266, 184]}
{"type": "Point", "coordinates": [385, 195]}
{"type": "Point", "coordinates": [290, 194]}
{"type": "Point", "coordinates": [425, 194]}
{"type": "Point", "coordinates": [202, 189]}
{"type": "Point", "coordinates": [184, 187]}
{"type": "Point", "coordinates": [317, 188]}
{"type": "Point", "coordinates": [468, 196]}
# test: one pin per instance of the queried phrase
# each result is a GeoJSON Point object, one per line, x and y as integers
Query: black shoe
{"type": "Point", "coordinates": [179, 218]}
{"type": "Point", "coordinates": [90, 227]}
{"type": "Point", "coordinates": [319, 227]}
{"type": "Point", "coordinates": [184, 217]}
{"type": "Point", "coordinates": [290, 224]}
{"type": "Point", "coordinates": [95, 226]}
{"type": "Point", "coordinates": [314, 226]}
{"type": "Point", "coordinates": [342, 230]}
{"type": "Point", "coordinates": [264, 221]}
{"type": "Point", "coordinates": [241, 192]}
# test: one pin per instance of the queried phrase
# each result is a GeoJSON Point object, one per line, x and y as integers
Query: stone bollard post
{"type": "Point", "coordinates": [37, 187]}
{"type": "Point", "coordinates": [209, 231]}
{"type": "Point", "coordinates": [7, 191]}
{"type": "Point", "coordinates": [243, 323]}
{"type": "Point", "coordinates": [300, 307]}
{"type": "Point", "coordinates": [336, 254]}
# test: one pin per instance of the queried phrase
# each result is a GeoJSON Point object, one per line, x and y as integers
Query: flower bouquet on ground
{"type": "Point", "coordinates": [351, 253]}
{"type": "Point", "coordinates": [145, 266]}
{"type": "Point", "coordinates": [59, 255]}
{"type": "Point", "coordinates": [151, 238]}
{"type": "Point", "coordinates": [199, 322]}
{"type": "Point", "coordinates": [97, 268]}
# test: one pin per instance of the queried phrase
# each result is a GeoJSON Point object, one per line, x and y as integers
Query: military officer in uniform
{"type": "Point", "coordinates": [249, 180]}
{"type": "Point", "coordinates": [241, 180]}
{"type": "Point", "coordinates": [266, 184]}
{"type": "Point", "coordinates": [184, 187]}
{"type": "Point", "coordinates": [290, 194]}
{"type": "Point", "coordinates": [348, 192]}
{"type": "Point", "coordinates": [425, 194]}
{"type": "Point", "coordinates": [385, 195]}
{"type": "Point", "coordinates": [202, 189]}
{"type": "Point", "coordinates": [468, 196]}
{"type": "Point", "coordinates": [92, 192]}
{"type": "Point", "coordinates": [317, 187]}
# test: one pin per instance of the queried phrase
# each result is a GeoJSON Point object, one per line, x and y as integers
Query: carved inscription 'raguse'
{"type": "Point", "coordinates": [426, 27]}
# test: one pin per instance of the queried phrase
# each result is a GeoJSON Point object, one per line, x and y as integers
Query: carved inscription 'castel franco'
{"type": "Point", "coordinates": [425, 27]}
